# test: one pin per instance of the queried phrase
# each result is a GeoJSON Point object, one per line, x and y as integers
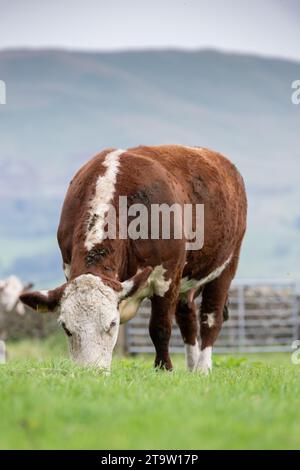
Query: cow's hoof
{"type": "Point", "coordinates": [203, 369]}
{"type": "Point", "coordinates": [163, 365]}
{"type": "Point", "coordinates": [192, 356]}
{"type": "Point", "coordinates": [204, 365]}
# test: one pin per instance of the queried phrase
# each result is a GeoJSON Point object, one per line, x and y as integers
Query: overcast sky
{"type": "Point", "coordinates": [268, 27]}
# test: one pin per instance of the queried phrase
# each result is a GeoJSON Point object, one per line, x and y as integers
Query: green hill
{"type": "Point", "coordinates": [63, 107]}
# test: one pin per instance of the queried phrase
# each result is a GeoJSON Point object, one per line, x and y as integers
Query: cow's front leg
{"type": "Point", "coordinates": [160, 329]}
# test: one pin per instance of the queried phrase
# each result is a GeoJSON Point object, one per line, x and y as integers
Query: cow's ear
{"type": "Point", "coordinates": [135, 284]}
{"type": "Point", "coordinates": [43, 301]}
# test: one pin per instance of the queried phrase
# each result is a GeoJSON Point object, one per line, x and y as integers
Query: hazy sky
{"type": "Point", "coordinates": [269, 27]}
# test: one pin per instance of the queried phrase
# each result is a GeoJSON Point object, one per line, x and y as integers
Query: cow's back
{"type": "Point", "coordinates": [166, 174]}
{"type": "Point", "coordinates": [206, 177]}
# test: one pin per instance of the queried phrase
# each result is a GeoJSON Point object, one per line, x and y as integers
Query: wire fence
{"type": "Point", "coordinates": [263, 317]}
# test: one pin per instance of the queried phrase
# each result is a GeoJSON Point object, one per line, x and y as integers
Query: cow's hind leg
{"type": "Point", "coordinates": [214, 299]}
{"type": "Point", "coordinates": [186, 319]}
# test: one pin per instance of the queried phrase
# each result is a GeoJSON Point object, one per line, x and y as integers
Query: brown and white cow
{"type": "Point", "coordinates": [108, 277]}
{"type": "Point", "coordinates": [10, 290]}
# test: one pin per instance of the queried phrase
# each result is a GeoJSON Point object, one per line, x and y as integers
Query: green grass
{"type": "Point", "coordinates": [250, 402]}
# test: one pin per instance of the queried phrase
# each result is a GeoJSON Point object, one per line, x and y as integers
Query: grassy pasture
{"type": "Point", "coordinates": [249, 402]}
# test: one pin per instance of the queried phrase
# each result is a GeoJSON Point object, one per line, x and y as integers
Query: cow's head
{"type": "Point", "coordinates": [88, 313]}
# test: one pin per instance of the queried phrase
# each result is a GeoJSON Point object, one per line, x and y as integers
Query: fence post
{"type": "Point", "coordinates": [241, 313]}
{"type": "Point", "coordinates": [2, 352]}
{"type": "Point", "coordinates": [295, 317]}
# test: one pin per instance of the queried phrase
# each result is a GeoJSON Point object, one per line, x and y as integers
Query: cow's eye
{"type": "Point", "coordinates": [111, 326]}
{"type": "Point", "coordinates": [68, 333]}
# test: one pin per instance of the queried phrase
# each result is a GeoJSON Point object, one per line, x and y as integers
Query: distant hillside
{"type": "Point", "coordinates": [63, 107]}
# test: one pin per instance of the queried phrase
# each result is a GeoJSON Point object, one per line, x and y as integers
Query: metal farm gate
{"type": "Point", "coordinates": [263, 317]}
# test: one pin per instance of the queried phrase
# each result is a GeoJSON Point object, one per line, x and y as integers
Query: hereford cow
{"type": "Point", "coordinates": [108, 277]}
{"type": "Point", "coordinates": [10, 290]}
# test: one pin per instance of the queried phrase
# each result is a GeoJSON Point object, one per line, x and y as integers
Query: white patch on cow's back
{"type": "Point", "coordinates": [192, 354]}
{"type": "Point", "coordinates": [205, 361]}
{"type": "Point", "coordinates": [44, 292]}
{"type": "Point", "coordinates": [187, 284]}
{"type": "Point", "coordinates": [104, 192]}
{"type": "Point", "coordinates": [67, 270]}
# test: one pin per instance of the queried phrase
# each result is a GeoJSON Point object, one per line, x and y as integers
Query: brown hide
{"type": "Point", "coordinates": [155, 175]}
{"type": "Point", "coordinates": [149, 175]}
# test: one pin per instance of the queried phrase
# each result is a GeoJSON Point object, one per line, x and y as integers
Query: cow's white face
{"type": "Point", "coordinates": [89, 315]}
